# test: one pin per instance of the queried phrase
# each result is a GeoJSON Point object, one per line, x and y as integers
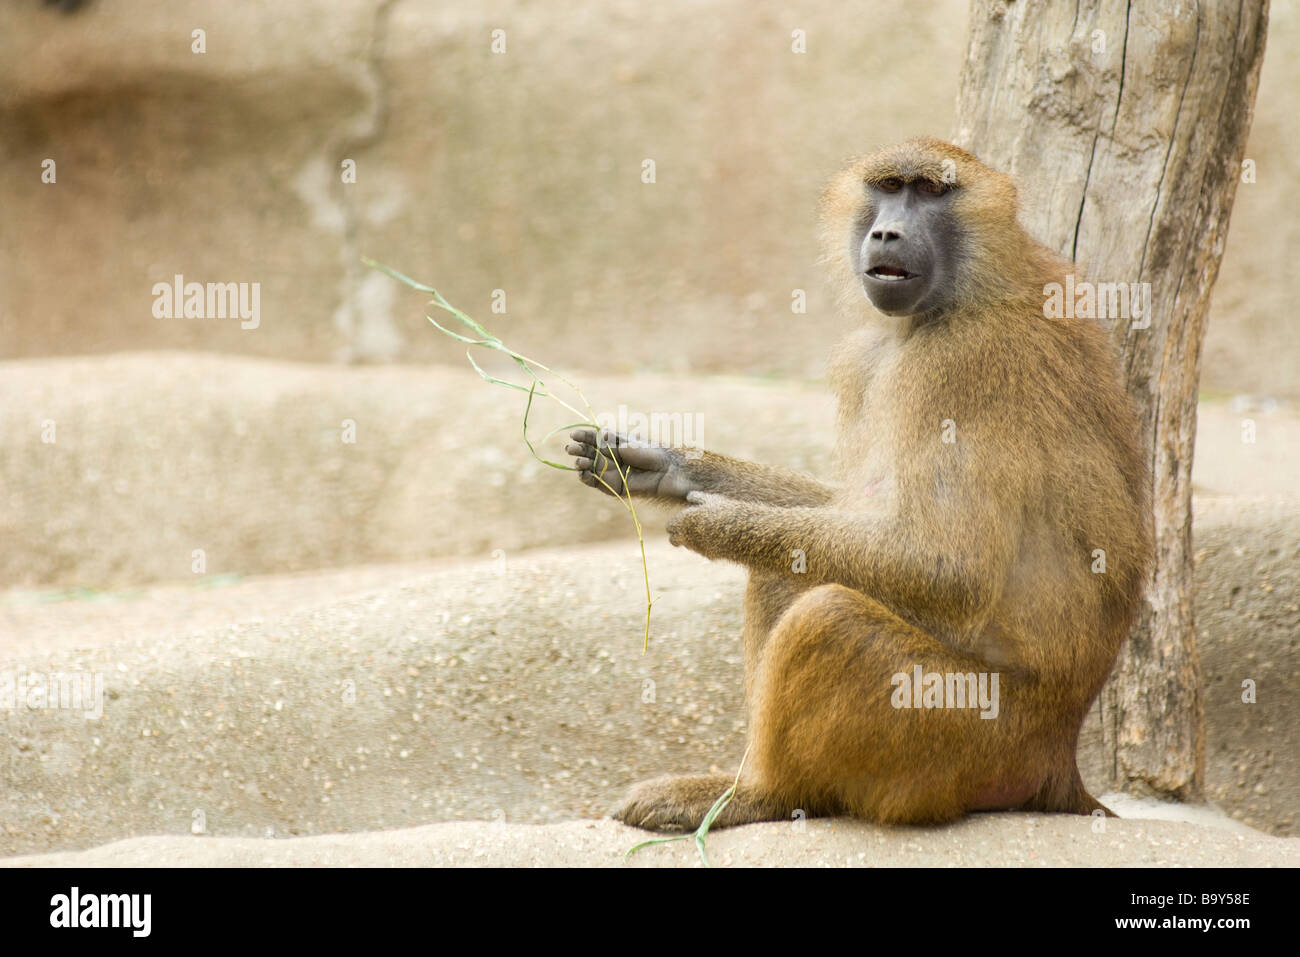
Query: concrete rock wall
{"type": "Point", "coordinates": [518, 171]}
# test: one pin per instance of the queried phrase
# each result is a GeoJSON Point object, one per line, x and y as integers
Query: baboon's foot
{"type": "Point", "coordinates": [680, 803]}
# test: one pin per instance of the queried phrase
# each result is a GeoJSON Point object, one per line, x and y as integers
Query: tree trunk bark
{"type": "Point", "coordinates": [1125, 124]}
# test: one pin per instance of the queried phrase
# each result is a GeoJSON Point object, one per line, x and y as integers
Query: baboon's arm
{"type": "Point", "coordinates": [671, 474]}
{"type": "Point", "coordinates": [954, 559]}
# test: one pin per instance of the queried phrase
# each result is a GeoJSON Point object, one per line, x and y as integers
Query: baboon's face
{"type": "Point", "coordinates": [905, 248]}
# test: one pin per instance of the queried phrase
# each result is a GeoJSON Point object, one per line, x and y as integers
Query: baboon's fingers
{"type": "Point", "coordinates": [595, 465]}
{"type": "Point", "coordinates": [584, 445]}
{"type": "Point", "coordinates": [625, 450]}
{"type": "Point", "coordinates": [609, 483]}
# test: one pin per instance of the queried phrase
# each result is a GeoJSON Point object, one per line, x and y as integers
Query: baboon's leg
{"type": "Point", "coordinates": [827, 739]}
{"type": "Point", "coordinates": [826, 730]}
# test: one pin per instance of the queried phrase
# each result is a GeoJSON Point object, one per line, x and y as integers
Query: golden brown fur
{"type": "Point", "coordinates": [968, 556]}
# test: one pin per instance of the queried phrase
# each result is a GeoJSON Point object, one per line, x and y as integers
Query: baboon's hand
{"type": "Point", "coordinates": [650, 469]}
{"type": "Point", "coordinates": [702, 525]}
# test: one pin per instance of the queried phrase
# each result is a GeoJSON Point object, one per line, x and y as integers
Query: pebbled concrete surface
{"type": "Point", "coordinates": [986, 840]}
{"type": "Point", "coordinates": [428, 699]}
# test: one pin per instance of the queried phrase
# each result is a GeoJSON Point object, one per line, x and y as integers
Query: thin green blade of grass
{"type": "Point", "coordinates": [437, 296]}
{"type": "Point", "coordinates": [456, 335]}
{"type": "Point", "coordinates": [701, 832]}
{"type": "Point", "coordinates": [654, 840]}
{"type": "Point", "coordinates": [488, 341]}
{"type": "Point", "coordinates": [528, 442]}
{"type": "Point", "coordinates": [400, 277]}
{"type": "Point", "coordinates": [564, 428]}
{"type": "Point", "coordinates": [488, 377]}
{"type": "Point", "coordinates": [537, 387]}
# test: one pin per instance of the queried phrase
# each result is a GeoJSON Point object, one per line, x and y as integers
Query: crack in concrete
{"type": "Point", "coordinates": [364, 315]}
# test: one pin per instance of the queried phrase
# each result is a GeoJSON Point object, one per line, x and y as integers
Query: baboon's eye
{"type": "Point", "coordinates": [931, 187]}
{"type": "Point", "coordinates": [891, 185]}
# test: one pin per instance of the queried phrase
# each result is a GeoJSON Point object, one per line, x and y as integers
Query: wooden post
{"type": "Point", "coordinates": [1125, 124]}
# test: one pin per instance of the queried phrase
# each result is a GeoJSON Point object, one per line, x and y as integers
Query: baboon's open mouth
{"type": "Point", "coordinates": [889, 273]}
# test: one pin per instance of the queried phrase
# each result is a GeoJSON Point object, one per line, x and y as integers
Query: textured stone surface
{"type": "Point", "coordinates": [987, 840]}
{"type": "Point", "coordinates": [518, 171]}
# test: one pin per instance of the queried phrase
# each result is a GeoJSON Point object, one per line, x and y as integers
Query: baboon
{"type": "Point", "coordinates": [989, 517]}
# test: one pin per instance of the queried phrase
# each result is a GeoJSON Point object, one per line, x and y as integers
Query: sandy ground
{"type": "Point", "coordinates": [985, 840]}
{"type": "Point", "coordinates": [461, 717]}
